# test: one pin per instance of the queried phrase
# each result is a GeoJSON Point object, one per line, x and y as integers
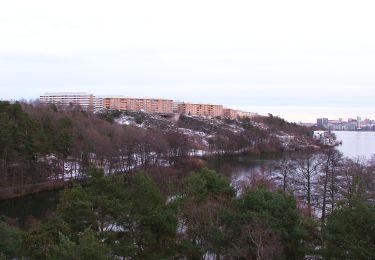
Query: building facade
{"type": "Point", "coordinates": [322, 122]}
{"type": "Point", "coordinates": [200, 109]}
{"type": "Point", "coordinates": [243, 114]}
{"type": "Point", "coordinates": [148, 105]}
{"type": "Point", "coordinates": [84, 100]}
{"type": "Point", "coordinates": [230, 113]}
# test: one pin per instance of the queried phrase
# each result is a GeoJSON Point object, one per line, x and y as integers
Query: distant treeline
{"type": "Point", "coordinates": [43, 143]}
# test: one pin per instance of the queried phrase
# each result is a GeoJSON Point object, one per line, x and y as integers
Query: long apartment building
{"type": "Point", "coordinates": [243, 114]}
{"type": "Point", "coordinates": [148, 105]}
{"type": "Point", "coordinates": [230, 113]}
{"type": "Point", "coordinates": [85, 100]}
{"type": "Point", "coordinates": [200, 109]}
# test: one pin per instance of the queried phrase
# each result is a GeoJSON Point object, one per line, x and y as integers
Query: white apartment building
{"type": "Point", "coordinates": [85, 100]}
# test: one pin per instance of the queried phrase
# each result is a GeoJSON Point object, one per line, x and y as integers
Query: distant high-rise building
{"type": "Point", "coordinates": [322, 122]}
{"type": "Point", "coordinates": [359, 123]}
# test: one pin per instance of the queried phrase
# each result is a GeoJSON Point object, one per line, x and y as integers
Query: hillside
{"type": "Point", "coordinates": [221, 135]}
{"type": "Point", "coordinates": [44, 144]}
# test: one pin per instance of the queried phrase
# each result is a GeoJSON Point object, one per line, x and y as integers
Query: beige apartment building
{"type": "Point", "coordinates": [85, 100]}
{"type": "Point", "coordinates": [243, 114]}
{"type": "Point", "coordinates": [148, 105]}
{"type": "Point", "coordinates": [200, 109]}
{"type": "Point", "coordinates": [230, 113]}
{"type": "Point", "coordinates": [175, 106]}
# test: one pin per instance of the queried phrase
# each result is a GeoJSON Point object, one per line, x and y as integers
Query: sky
{"type": "Point", "coordinates": [297, 59]}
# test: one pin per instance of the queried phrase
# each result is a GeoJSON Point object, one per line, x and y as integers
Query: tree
{"type": "Point", "coordinates": [306, 178]}
{"type": "Point", "coordinates": [261, 224]}
{"type": "Point", "coordinates": [152, 224]}
{"type": "Point", "coordinates": [331, 159]}
{"type": "Point", "coordinates": [22, 142]}
{"type": "Point", "coordinates": [350, 232]}
{"type": "Point", "coordinates": [76, 209]}
{"type": "Point", "coordinates": [88, 247]}
{"type": "Point", "coordinates": [127, 212]}
{"type": "Point", "coordinates": [10, 241]}
{"type": "Point", "coordinates": [284, 170]}
{"type": "Point", "coordinates": [179, 146]}
{"type": "Point", "coordinates": [63, 141]}
{"type": "Point", "coordinates": [207, 194]}
{"type": "Point", "coordinates": [357, 182]}
{"type": "Point", "coordinates": [40, 242]}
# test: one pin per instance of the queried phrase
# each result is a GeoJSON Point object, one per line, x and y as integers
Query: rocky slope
{"type": "Point", "coordinates": [223, 135]}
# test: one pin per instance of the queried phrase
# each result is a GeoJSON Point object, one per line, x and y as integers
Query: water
{"type": "Point", "coordinates": [37, 206]}
{"type": "Point", "coordinates": [239, 167]}
{"type": "Point", "coordinates": [356, 143]}
{"type": "Point", "coordinates": [28, 208]}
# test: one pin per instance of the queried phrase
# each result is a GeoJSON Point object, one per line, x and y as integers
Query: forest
{"type": "Point", "coordinates": [45, 144]}
{"type": "Point", "coordinates": [145, 197]}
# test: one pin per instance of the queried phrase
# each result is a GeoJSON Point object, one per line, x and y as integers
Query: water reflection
{"type": "Point", "coordinates": [26, 209]}
{"type": "Point", "coordinates": [240, 167]}
{"type": "Point", "coordinates": [29, 208]}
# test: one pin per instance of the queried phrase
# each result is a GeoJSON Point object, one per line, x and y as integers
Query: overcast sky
{"type": "Point", "coordinates": [299, 59]}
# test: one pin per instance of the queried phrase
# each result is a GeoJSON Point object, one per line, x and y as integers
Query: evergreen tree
{"type": "Point", "coordinates": [128, 213]}
{"type": "Point", "coordinates": [207, 194]}
{"type": "Point", "coordinates": [350, 232]}
{"type": "Point", "coordinates": [266, 225]}
{"type": "Point", "coordinates": [88, 247]}
{"type": "Point", "coordinates": [10, 241]}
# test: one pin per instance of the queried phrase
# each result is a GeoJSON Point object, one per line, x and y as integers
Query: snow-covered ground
{"type": "Point", "coordinates": [125, 120]}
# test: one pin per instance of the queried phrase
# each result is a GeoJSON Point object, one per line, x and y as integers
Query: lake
{"type": "Point", "coordinates": [356, 143]}
{"type": "Point", "coordinates": [36, 206]}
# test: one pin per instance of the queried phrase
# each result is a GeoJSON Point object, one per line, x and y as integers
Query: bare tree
{"type": "Point", "coordinates": [285, 169]}
{"type": "Point", "coordinates": [330, 160]}
{"type": "Point", "coordinates": [267, 244]}
{"type": "Point", "coordinates": [307, 173]}
{"type": "Point", "coordinates": [357, 181]}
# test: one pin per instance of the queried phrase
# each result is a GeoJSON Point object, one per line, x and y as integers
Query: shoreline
{"type": "Point", "coordinates": [29, 189]}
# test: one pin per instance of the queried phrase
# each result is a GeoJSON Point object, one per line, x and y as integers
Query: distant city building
{"type": "Point", "coordinates": [359, 123]}
{"type": "Point", "coordinates": [351, 125]}
{"type": "Point", "coordinates": [322, 122]}
{"type": "Point", "coordinates": [84, 100]}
